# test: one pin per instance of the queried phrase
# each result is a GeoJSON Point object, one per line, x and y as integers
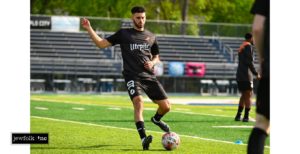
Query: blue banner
{"type": "Point", "coordinates": [176, 68]}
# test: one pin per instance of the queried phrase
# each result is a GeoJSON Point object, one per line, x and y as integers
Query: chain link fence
{"type": "Point", "coordinates": [169, 27]}
{"type": "Point", "coordinates": [174, 27]}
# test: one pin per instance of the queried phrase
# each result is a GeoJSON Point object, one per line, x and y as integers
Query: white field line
{"type": "Point", "coordinates": [150, 109]}
{"type": "Point", "coordinates": [181, 109]}
{"type": "Point", "coordinates": [219, 110]}
{"type": "Point", "coordinates": [114, 108]}
{"type": "Point", "coordinates": [40, 108]}
{"type": "Point", "coordinates": [70, 102]}
{"type": "Point", "coordinates": [59, 101]}
{"type": "Point", "coordinates": [205, 114]}
{"type": "Point", "coordinates": [243, 126]}
{"type": "Point", "coordinates": [78, 108]}
{"type": "Point", "coordinates": [130, 129]}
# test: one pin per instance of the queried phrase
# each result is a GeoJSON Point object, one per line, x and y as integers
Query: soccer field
{"type": "Point", "coordinates": [104, 124]}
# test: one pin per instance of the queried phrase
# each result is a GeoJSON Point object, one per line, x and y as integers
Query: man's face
{"type": "Point", "coordinates": [139, 19]}
{"type": "Point", "coordinates": [251, 41]}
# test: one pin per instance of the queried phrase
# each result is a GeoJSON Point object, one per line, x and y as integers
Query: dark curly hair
{"type": "Point", "coordinates": [138, 9]}
{"type": "Point", "coordinates": [248, 36]}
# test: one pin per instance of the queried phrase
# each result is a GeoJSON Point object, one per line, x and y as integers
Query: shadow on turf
{"type": "Point", "coordinates": [107, 120]}
{"type": "Point", "coordinates": [198, 121]}
{"type": "Point", "coordinates": [93, 147]}
{"type": "Point", "coordinates": [185, 121]}
{"type": "Point", "coordinates": [82, 148]}
{"type": "Point", "coordinates": [126, 150]}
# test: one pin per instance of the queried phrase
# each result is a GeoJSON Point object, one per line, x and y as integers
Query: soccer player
{"type": "Point", "coordinates": [261, 33]}
{"type": "Point", "coordinates": [140, 53]}
{"type": "Point", "coordinates": [244, 77]}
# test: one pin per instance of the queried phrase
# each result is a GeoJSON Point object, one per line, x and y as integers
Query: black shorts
{"type": "Point", "coordinates": [245, 85]}
{"type": "Point", "coordinates": [150, 85]}
{"type": "Point", "coordinates": [263, 98]}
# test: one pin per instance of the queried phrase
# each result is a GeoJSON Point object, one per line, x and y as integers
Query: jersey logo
{"type": "Point", "coordinates": [140, 47]}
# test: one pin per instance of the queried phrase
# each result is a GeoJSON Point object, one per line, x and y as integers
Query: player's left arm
{"type": "Point", "coordinates": [155, 57]}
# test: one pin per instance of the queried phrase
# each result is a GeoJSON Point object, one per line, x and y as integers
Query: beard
{"type": "Point", "coordinates": [138, 25]}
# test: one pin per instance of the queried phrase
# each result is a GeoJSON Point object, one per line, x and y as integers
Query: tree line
{"type": "Point", "coordinates": [227, 11]}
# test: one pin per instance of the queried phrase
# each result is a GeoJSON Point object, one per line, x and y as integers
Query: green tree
{"type": "Point", "coordinates": [232, 11]}
{"type": "Point", "coordinates": [197, 11]}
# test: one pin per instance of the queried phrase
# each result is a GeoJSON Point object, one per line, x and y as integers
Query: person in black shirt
{"type": "Point", "coordinates": [244, 77]}
{"type": "Point", "coordinates": [140, 53]}
{"type": "Point", "coordinates": [261, 33]}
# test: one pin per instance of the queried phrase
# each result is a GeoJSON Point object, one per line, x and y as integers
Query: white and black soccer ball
{"type": "Point", "coordinates": [170, 141]}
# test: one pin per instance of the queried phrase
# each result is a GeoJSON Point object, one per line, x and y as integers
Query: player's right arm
{"type": "Point", "coordinates": [100, 42]}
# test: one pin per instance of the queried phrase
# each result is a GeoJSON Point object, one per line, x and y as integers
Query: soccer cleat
{"type": "Point", "coordinates": [245, 119]}
{"type": "Point", "coordinates": [146, 142]}
{"type": "Point", "coordinates": [162, 125]}
{"type": "Point", "coordinates": [237, 118]}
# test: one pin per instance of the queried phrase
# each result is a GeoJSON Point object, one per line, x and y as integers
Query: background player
{"type": "Point", "coordinates": [244, 77]}
{"type": "Point", "coordinates": [261, 32]}
{"type": "Point", "coordinates": [140, 53]}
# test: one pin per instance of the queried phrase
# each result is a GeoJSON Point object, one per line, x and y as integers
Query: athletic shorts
{"type": "Point", "coordinates": [245, 85]}
{"type": "Point", "coordinates": [263, 98]}
{"type": "Point", "coordinates": [150, 85]}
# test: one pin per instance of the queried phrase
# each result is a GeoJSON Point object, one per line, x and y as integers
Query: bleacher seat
{"type": "Point", "coordinates": [69, 53]}
{"type": "Point", "coordinates": [75, 53]}
{"type": "Point", "coordinates": [234, 44]}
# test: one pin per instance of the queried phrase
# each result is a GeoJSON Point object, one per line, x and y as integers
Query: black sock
{"type": "Point", "coordinates": [141, 129]}
{"type": "Point", "coordinates": [240, 110]}
{"type": "Point", "coordinates": [157, 116]}
{"type": "Point", "coordinates": [246, 115]}
{"type": "Point", "coordinates": [256, 141]}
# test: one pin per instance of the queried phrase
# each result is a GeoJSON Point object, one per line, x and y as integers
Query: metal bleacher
{"type": "Point", "coordinates": [69, 53]}
{"type": "Point", "coordinates": [195, 49]}
{"type": "Point", "coordinates": [187, 49]}
{"type": "Point", "coordinates": [74, 53]}
{"type": "Point", "coordinates": [234, 44]}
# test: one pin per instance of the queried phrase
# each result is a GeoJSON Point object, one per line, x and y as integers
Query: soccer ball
{"type": "Point", "coordinates": [170, 141]}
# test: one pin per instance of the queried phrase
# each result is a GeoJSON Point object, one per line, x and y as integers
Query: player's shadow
{"type": "Point", "coordinates": [93, 147]}
{"type": "Point", "coordinates": [195, 121]}
{"type": "Point", "coordinates": [108, 120]}
{"type": "Point", "coordinates": [128, 150]}
{"type": "Point", "coordinates": [148, 121]}
{"type": "Point", "coordinates": [167, 121]}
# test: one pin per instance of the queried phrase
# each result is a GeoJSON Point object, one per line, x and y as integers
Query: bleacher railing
{"type": "Point", "coordinates": [224, 48]}
{"type": "Point", "coordinates": [172, 27]}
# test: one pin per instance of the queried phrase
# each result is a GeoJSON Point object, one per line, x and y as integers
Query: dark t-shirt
{"type": "Point", "coordinates": [137, 47]}
{"type": "Point", "coordinates": [262, 7]}
{"type": "Point", "coordinates": [246, 65]}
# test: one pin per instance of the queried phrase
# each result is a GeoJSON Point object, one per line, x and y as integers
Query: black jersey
{"type": "Point", "coordinates": [137, 47]}
{"type": "Point", "coordinates": [262, 7]}
{"type": "Point", "coordinates": [246, 64]}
